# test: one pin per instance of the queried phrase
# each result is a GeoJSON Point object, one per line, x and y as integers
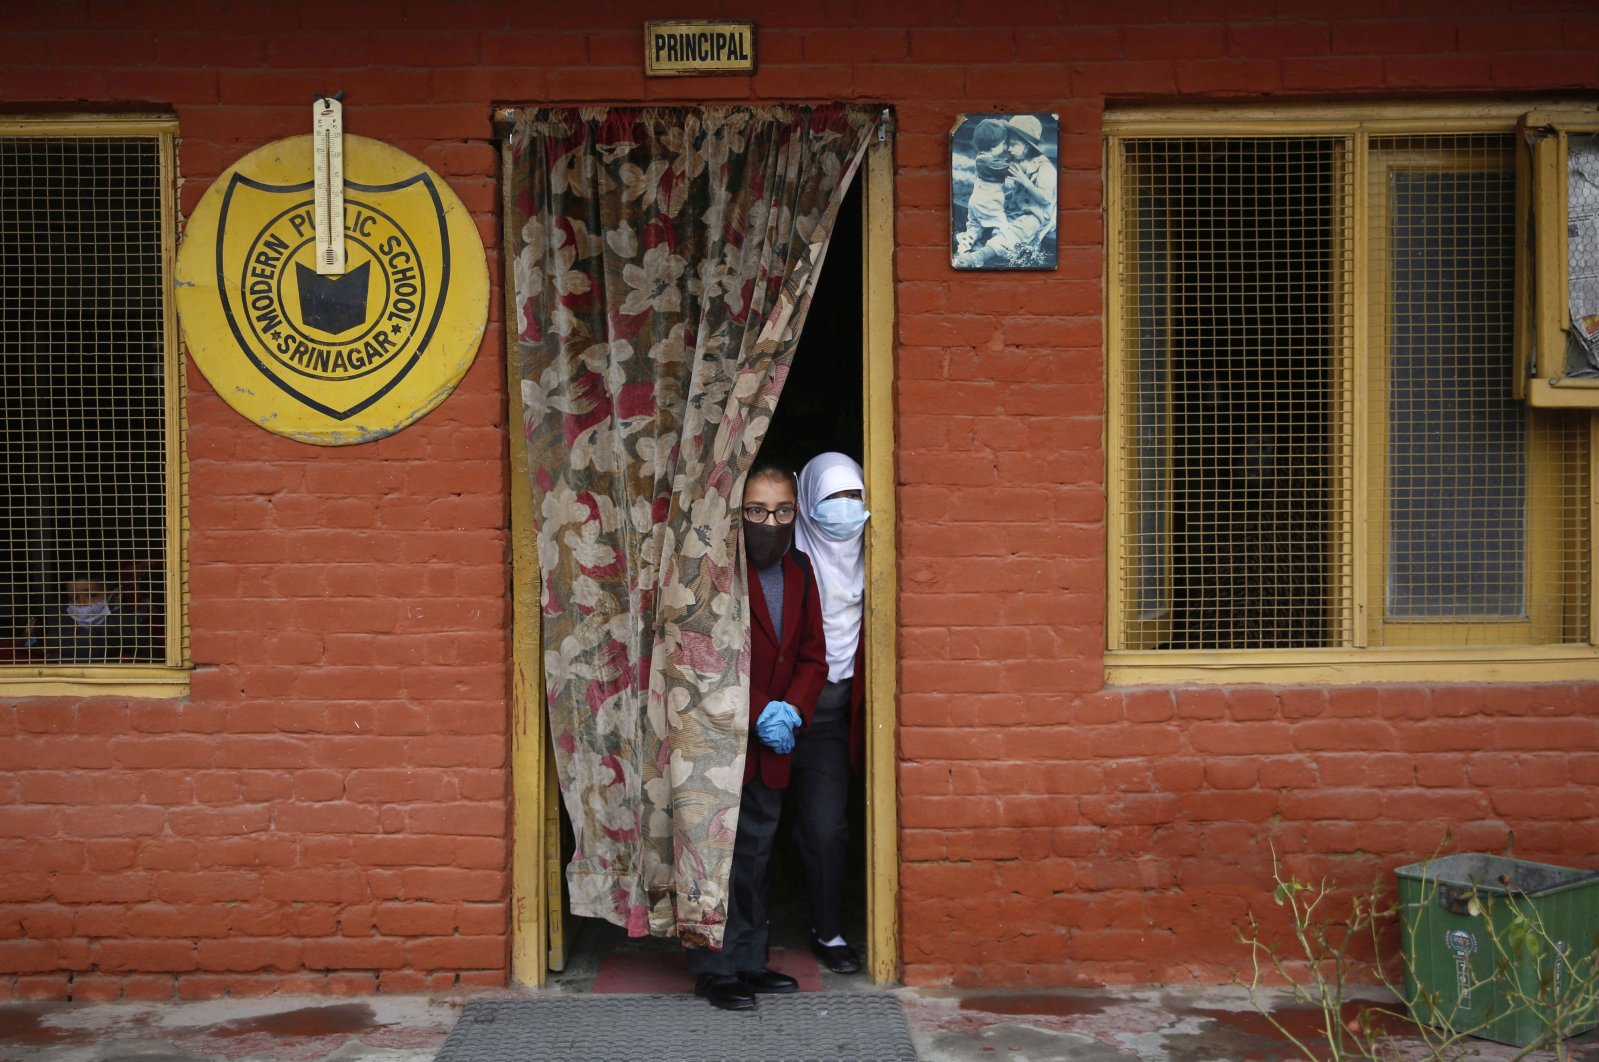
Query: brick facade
{"type": "Point", "coordinates": [328, 809]}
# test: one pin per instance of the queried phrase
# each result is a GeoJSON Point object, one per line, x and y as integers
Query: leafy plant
{"type": "Point", "coordinates": [1327, 926]}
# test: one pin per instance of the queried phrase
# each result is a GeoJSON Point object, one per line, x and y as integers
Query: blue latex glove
{"type": "Point", "coordinates": [776, 726]}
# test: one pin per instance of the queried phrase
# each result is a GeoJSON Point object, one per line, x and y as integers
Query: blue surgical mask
{"type": "Point", "coordinates": [89, 615]}
{"type": "Point", "coordinates": [840, 519]}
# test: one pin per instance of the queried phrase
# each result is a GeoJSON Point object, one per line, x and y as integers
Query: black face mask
{"type": "Point", "coordinates": [765, 544]}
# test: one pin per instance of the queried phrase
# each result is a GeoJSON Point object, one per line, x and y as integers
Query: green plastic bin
{"type": "Point", "coordinates": [1454, 910]}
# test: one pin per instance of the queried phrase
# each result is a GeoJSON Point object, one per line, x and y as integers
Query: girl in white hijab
{"type": "Point", "coordinates": [832, 521]}
{"type": "Point", "coordinates": [831, 532]}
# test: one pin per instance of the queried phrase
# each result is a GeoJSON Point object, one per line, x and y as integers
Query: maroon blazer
{"type": "Point", "coordinates": [794, 671]}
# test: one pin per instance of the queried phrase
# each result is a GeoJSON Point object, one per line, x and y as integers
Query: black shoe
{"type": "Point", "coordinates": [764, 980]}
{"type": "Point", "coordinates": [840, 958]}
{"type": "Point", "coordinates": [725, 991]}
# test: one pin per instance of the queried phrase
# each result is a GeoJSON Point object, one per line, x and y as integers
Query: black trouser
{"type": "Point", "coordinates": [819, 776]}
{"type": "Point", "coordinates": [749, 888]}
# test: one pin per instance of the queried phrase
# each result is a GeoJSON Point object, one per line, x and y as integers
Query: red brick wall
{"type": "Point", "coordinates": [328, 809]}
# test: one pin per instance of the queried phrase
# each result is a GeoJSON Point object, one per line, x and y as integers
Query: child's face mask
{"type": "Point", "coordinates": [89, 615]}
{"type": "Point", "coordinates": [765, 544]}
{"type": "Point", "coordinates": [840, 519]}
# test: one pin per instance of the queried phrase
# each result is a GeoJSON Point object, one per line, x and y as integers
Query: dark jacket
{"type": "Point", "coordinates": [66, 642]}
{"type": "Point", "coordinates": [794, 671]}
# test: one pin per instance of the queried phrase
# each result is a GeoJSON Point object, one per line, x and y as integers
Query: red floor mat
{"type": "Point", "coordinates": [656, 972]}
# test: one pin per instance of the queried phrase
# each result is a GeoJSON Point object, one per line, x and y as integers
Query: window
{"type": "Point", "coordinates": [1558, 349]}
{"type": "Point", "coordinates": [90, 508]}
{"type": "Point", "coordinates": [1319, 459]}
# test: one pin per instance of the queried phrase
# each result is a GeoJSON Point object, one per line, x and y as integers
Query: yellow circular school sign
{"type": "Point", "coordinates": [332, 359]}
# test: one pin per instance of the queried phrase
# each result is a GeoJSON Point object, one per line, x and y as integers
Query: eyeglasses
{"type": "Point", "coordinates": [757, 514]}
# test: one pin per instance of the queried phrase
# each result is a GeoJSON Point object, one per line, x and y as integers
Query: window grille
{"type": "Point", "coordinates": [88, 377]}
{"type": "Point", "coordinates": [1483, 498]}
{"type": "Point", "coordinates": [1319, 443]}
{"type": "Point", "coordinates": [1235, 393]}
{"type": "Point", "coordinates": [1457, 440]}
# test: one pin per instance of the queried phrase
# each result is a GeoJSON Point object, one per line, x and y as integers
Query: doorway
{"type": "Point", "coordinates": [839, 396]}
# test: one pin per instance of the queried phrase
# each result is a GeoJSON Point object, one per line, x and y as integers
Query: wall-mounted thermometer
{"type": "Point", "coordinates": [328, 154]}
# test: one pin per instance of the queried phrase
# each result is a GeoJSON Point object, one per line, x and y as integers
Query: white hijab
{"type": "Point", "coordinates": [840, 566]}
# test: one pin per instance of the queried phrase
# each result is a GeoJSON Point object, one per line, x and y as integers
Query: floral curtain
{"type": "Point", "coordinates": [664, 263]}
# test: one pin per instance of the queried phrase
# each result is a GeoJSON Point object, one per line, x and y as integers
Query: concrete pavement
{"type": "Point", "coordinates": [1152, 1024]}
{"type": "Point", "coordinates": [1090, 1025]}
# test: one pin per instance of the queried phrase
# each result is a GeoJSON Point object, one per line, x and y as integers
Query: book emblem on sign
{"type": "Point", "coordinates": [333, 304]}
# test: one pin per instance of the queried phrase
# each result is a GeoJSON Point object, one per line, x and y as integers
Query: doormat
{"type": "Point", "coordinates": [658, 972]}
{"type": "Point", "coordinates": [809, 1027]}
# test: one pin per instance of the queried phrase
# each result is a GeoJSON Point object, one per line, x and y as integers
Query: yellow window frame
{"type": "Point", "coordinates": [1375, 649]}
{"type": "Point", "coordinates": [1543, 141]}
{"type": "Point", "coordinates": [1152, 625]}
{"type": "Point", "coordinates": [170, 677]}
{"type": "Point", "coordinates": [1543, 621]}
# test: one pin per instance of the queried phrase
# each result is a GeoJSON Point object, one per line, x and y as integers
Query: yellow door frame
{"type": "Point", "coordinates": [535, 915]}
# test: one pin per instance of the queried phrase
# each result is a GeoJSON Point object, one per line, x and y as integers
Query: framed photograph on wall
{"type": "Point", "coordinates": [1004, 188]}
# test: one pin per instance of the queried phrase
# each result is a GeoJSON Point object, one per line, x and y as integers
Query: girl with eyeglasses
{"type": "Point", "coordinates": [788, 666]}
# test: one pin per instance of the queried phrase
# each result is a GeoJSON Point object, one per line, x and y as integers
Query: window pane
{"type": "Point", "coordinates": [1457, 448]}
{"type": "Point", "coordinates": [1582, 250]}
{"type": "Point", "coordinates": [82, 401]}
{"type": "Point", "coordinates": [1234, 288]}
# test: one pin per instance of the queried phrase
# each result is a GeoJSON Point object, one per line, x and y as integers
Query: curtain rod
{"type": "Point", "coordinates": [509, 113]}
{"type": "Point", "coordinates": [505, 117]}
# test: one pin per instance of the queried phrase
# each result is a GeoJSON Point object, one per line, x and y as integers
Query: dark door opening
{"type": "Point", "coordinates": [822, 408]}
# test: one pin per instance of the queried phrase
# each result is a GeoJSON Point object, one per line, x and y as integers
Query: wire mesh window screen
{"type": "Point", "coordinates": [1565, 524]}
{"type": "Point", "coordinates": [1457, 438]}
{"type": "Point", "coordinates": [1236, 287]}
{"type": "Point", "coordinates": [83, 348]}
{"type": "Point", "coordinates": [1236, 259]}
{"type": "Point", "coordinates": [1485, 500]}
